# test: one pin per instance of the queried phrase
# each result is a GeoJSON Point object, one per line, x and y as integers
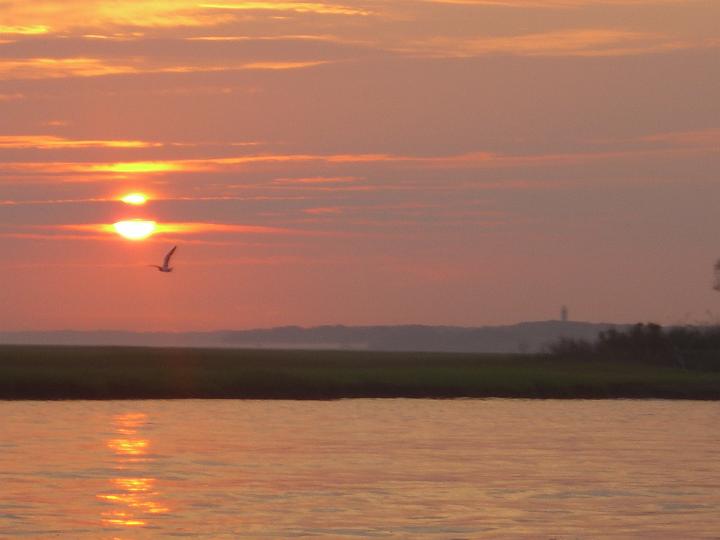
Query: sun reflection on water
{"type": "Point", "coordinates": [128, 447]}
{"type": "Point", "coordinates": [134, 499]}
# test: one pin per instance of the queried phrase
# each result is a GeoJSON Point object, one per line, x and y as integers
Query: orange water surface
{"type": "Point", "coordinates": [352, 469]}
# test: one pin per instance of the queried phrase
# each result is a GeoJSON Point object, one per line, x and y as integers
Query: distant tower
{"type": "Point", "coordinates": [564, 314]}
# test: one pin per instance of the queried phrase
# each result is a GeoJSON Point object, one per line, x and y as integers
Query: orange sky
{"type": "Point", "coordinates": [364, 162]}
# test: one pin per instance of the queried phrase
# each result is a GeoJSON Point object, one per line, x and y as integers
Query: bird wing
{"type": "Point", "coordinates": [166, 260]}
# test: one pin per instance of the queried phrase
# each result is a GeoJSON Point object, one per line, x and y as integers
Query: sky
{"type": "Point", "coordinates": [457, 162]}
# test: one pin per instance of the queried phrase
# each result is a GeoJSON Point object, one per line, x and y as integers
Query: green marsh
{"type": "Point", "coordinates": [45, 372]}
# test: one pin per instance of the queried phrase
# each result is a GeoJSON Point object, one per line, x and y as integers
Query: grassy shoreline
{"type": "Point", "coordinates": [104, 373]}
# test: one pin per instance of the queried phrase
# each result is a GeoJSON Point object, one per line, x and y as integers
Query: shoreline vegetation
{"type": "Point", "coordinates": [107, 373]}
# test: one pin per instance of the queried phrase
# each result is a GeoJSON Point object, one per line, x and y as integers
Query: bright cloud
{"type": "Point", "coordinates": [580, 42]}
{"type": "Point", "coordinates": [299, 7]}
{"type": "Point", "coordinates": [55, 142]}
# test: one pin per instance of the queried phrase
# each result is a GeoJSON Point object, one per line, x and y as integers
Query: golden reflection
{"type": "Point", "coordinates": [136, 496]}
{"type": "Point", "coordinates": [121, 518]}
{"type": "Point", "coordinates": [128, 447]}
{"type": "Point", "coordinates": [128, 424]}
{"type": "Point", "coordinates": [133, 498]}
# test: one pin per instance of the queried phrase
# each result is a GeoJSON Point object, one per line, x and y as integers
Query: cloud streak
{"type": "Point", "coordinates": [98, 15]}
{"type": "Point", "coordinates": [555, 4]}
{"type": "Point", "coordinates": [84, 171]}
{"type": "Point", "coordinates": [178, 229]}
{"type": "Point", "coordinates": [575, 42]}
{"type": "Point", "coordinates": [297, 7]}
{"type": "Point", "coordinates": [54, 68]}
{"type": "Point", "coordinates": [45, 142]}
{"type": "Point", "coordinates": [29, 30]}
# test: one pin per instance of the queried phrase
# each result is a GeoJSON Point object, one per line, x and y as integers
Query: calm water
{"type": "Point", "coordinates": [360, 469]}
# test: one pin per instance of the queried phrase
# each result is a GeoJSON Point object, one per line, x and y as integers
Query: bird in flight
{"type": "Point", "coordinates": [166, 262]}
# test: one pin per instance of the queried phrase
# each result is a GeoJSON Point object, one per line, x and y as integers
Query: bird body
{"type": "Point", "coordinates": [165, 268]}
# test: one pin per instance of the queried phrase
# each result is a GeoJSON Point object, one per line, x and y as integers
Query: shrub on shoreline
{"type": "Point", "coordinates": [687, 347]}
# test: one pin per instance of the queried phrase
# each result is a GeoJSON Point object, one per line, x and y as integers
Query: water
{"type": "Point", "coordinates": [410, 469]}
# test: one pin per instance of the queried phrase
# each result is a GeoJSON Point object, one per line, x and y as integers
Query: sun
{"type": "Point", "coordinates": [135, 229]}
{"type": "Point", "coordinates": [134, 198]}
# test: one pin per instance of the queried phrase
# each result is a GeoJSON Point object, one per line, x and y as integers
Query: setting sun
{"type": "Point", "coordinates": [134, 198]}
{"type": "Point", "coordinates": [135, 229]}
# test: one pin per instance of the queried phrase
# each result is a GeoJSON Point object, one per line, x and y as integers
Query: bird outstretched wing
{"type": "Point", "coordinates": [166, 260]}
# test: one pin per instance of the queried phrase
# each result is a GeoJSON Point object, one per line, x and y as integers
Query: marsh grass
{"type": "Point", "coordinates": [43, 372]}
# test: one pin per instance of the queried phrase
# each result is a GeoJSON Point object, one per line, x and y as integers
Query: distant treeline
{"type": "Point", "coordinates": [684, 347]}
{"type": "Point", "coordinates": [527, 337]}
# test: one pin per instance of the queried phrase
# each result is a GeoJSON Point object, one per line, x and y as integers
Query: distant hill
{"type": "Point", "coordinates": [522, 337]}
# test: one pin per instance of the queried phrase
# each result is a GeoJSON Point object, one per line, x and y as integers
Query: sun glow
{"type": "Point", "coordinates": [136, 167]}
{"type": "Point", "coordinates": [134, 198]}
{"type": "Point", "coordinates": [135, 229]}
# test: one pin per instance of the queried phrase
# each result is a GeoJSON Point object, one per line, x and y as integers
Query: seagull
{"type": "Point", "coordinates": [166, 262]}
